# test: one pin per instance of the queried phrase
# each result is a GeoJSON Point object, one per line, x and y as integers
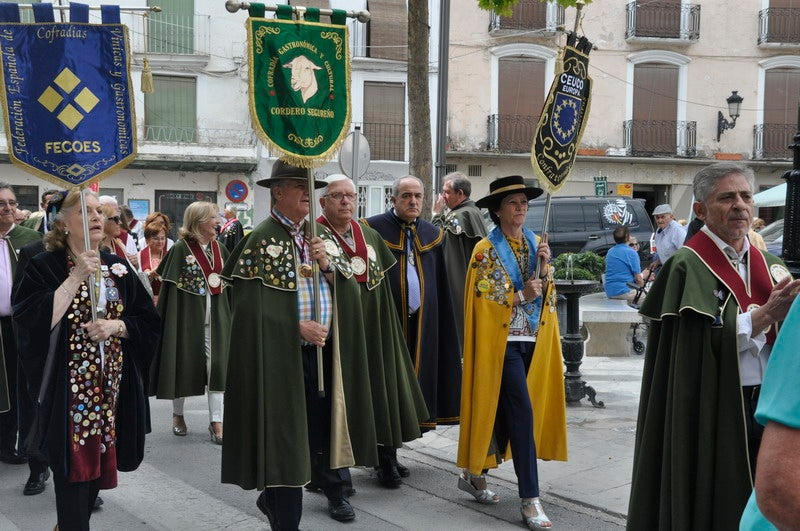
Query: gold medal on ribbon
{"type": "Point", "coordinates": [213, 280]}
{"type": "Point", "coordinates": [306, 270]}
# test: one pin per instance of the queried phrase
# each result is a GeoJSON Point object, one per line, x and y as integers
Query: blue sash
{"type": "Point", "coordinates": [506, 256]}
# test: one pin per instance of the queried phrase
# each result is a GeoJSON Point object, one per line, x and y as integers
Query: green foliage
{"type": "Point", "coordinates": [585, 266]}
{"type": "Point", "coordinates": [504, 7]}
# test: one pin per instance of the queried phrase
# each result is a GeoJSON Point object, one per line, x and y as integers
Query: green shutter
{"type": "Point", "coordinates": [170, 113]}
{"type": "Point", "coordinates": [172, 30]}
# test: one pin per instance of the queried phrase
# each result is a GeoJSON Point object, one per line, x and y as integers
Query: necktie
{"type": "Point", "coordinates": [412, 276]}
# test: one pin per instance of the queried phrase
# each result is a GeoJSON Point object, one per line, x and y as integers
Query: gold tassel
{"type": "Point", "coordinates": [147, 78]}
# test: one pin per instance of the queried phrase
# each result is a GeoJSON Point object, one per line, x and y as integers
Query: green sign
{"type": "Point", "coordinates": [299, 87]}
{"type": "Point", "coordinates": [600, 186]}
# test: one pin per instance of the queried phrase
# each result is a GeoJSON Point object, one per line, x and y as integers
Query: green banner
{"type": "Point", "coordinates": [299, 87]}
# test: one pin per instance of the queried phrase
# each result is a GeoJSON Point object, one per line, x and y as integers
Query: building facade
{"type": "Point", "coordinates": [659, 84]}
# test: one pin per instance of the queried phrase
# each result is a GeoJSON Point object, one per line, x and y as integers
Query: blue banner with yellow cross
{"type": "Point", "coordinates": [68, 105]}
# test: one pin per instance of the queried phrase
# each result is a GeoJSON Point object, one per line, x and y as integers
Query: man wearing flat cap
{"type": "Point", "coordinates": [669, 235]}
{"type": "Point", "coordinates": [279, 432]}
{"type": "Point", "coordinates": [422, 299]}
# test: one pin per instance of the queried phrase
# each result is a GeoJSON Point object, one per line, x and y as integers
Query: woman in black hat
{"type": "Point", "coordinates": [512, 362]}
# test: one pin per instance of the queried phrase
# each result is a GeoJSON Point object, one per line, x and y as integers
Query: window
{"type": "Point", "coordinates": [384, 119]}
{"type": "Point", "coordinates": [570, 218]}
{"type": "Point", "coordinates": [173, 203]}
{"type": "Point", "coordinates": [655, 95]}
{"type": "Point", "coordinates": [781, 99]}
{"type": "Point", "coordinates": [170, 113]}
{"type": "Point", "coordinates": [780, 23]}
{"type": "Point", "coordinates": [660, 18]}
{"type": "Point", "coordinates": [521, 96]}
{"type": "Point", "coordinates": [171, 30]}
{"type": "Point", "coordinates": [387, 31]}
{"type": "Point", "coordinates": [27, 197]}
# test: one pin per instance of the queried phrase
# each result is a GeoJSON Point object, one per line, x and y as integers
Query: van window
{"type": "Point", "coordinates": [533, 221]}
{"type": "Point", "coordinates": [618, 212]}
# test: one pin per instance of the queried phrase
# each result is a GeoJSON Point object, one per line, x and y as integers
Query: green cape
{"type": "Point", "coordinates": [266, 435]}
{"type": "Point", "coordinates": [690, 463]}
{"type": "Point", "coordinates": [17, 237]}
{"type": "Point", "coordinates": [396, 396]}
{"type": "Point", "coordinates": [180, 366]}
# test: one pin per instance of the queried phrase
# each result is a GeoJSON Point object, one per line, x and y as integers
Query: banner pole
{"type": "Point", "coordinates": [312, 225]}
{"type": "Point", "coordinates": [87, 247]}
{"type": "Point", "coordinates": [232, 6]}
{"type": "Point", "coordinates": [153, 9]}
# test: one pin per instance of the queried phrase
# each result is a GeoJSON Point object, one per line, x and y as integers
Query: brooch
{"type": "Point", "coordinates": [190, 259]}
{"type": "Point", "coordinates": [119, 269]}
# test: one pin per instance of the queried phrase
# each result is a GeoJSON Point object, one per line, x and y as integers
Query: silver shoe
{"type": "Point", "coordinates": [484, 496]}
{"type": "Point", "coordinates": [540, 521]}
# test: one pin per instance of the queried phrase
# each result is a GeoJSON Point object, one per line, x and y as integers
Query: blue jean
{"type": "Point", "coordinates": [515, 416]}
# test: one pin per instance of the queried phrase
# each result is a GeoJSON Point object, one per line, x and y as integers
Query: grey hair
{"type": "Point", "coordinates": [335, 178]}
{"type": "Point", "coordinates": [458, 181]}
{"type": "Point", "coordinates": [5, 186]}
{"type": "Point", "coordinates": [396, 183]}
{"type": "Point", "coordinates": [108, 200]}
{"type": "Point", "coordinates": [707, 178]}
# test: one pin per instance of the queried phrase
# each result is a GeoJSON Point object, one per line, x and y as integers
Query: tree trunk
{"type": "Point", "coordinates": [419, 107]}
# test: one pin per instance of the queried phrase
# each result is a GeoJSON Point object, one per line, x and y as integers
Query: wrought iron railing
{"type": "Point", "coordinates": [772, 141]}
{"type": "Point", "coordinates": [165, 134]}
{"type": "Point", "coordinates": [170, 33]}
{"type": "Point", "coordinates": [663, 20]}
{"type": "Point", "coordinates": [387, 141]}
{"type": "Point", "coordinates": [780, 25]}
{"type": "Point", "coordinates": [530, 15]}
{"type": "Point", "coordinates": [647, 138]}
{"type": "Point", "coordinates": [511, 133]}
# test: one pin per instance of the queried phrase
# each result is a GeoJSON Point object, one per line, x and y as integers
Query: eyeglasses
{"type": "Point", "coordinates": [4, 204]}
{"type": "Point", "coordinates": [338, 196]}
{"type": "Point", "coordinates": [115, 219]}
{"type": "Point", "coordinates": [636, 244]}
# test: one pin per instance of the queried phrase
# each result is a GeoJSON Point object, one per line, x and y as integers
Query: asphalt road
{"type": "Point", "coordinates": [178, 488]}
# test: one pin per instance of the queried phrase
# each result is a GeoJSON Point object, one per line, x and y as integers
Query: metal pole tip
{"type": "Point", "coordinates": [363, 16]}
{"type": "Point", "coordinates": [232, 6]}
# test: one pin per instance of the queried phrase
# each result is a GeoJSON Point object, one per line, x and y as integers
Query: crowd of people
{"type": "Point", "coordinates": [356, 336]}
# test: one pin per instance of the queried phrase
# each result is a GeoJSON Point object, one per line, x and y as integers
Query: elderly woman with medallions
{"type": "Point", "coordinates": [93, 413]}
{"type": "Point", "coordinates": [512, 394]}
{"type": "Point", "coordinates": [196, 318]}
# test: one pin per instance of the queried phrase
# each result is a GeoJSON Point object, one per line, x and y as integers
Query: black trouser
{"type": "Point", "coordinates": [750, 394]}
{"type": "Point", "coordinates": [286, 503]}
{"type": "Point", "coordinates": [8, 420]}
{"type": "Point", "coordinates": [74, 502]}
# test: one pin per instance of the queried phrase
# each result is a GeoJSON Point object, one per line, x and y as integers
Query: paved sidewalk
{"type": "Point", "coordinates": [598, 472]}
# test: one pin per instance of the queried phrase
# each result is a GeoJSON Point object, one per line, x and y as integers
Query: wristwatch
{"type": "Point", "coordinates": [521, 297]}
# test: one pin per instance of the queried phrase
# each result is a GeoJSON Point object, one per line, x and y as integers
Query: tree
{"type": "Point", "coordinates": [419, 106]}
{"type": "Point", "coordinates": [504, 7]}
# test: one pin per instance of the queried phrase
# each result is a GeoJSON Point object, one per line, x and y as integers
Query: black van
{"type": "Point", "coordinates": [587, 223]}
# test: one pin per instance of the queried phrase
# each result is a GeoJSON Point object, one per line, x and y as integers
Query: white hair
{"type": "Point", "coordinates": [335, 178]}
{"type": "Point", "coordinates": [108, 200]}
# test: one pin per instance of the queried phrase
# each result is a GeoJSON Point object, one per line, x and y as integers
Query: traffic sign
{"type": "Point", "coordinates": [600, 184]}
{"type": "Point", "coordinates": [236, 191]}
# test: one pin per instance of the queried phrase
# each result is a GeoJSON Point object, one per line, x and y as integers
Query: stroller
{"type": "Point", "coordinates": [638, 345]}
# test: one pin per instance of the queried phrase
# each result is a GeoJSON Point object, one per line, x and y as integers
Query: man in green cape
{"type": "Point", "coordinates": [463, 228]}
{"type": "Point", "coordinates": [714, 308]}
{"type": "Point", "coordinates": [279, 431]}
{"type": "Point", "coordinates": [12, 238]}
{"type": "Point", "coordinates": [396, 396]}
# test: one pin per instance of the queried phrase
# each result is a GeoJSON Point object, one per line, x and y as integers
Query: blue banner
{"type": "Point", "coordinates": [67, 100]}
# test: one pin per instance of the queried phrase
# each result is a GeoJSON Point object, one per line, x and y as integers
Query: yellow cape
{"type": "Point", "coordinates": [487, 314]}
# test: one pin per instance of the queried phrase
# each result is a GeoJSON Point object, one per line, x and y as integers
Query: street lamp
{"type": "Point", "coordinates": [734, 105]}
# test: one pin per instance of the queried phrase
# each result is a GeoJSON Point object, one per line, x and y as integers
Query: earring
{"type": "Point", "coordinates": [66, 233]}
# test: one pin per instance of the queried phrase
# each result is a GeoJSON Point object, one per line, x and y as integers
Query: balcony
{"type": "Point", "coordinates": [169, 39]}
{"type": "Point", "coordinates": [779, 26]}
{"type": "Point", "coordinates": [387, 141]}
{"type": "Point", "coordinates": [542, 18]}
{"type": "Point", "coordinates": [665, 138]}
{"type": "Point", "coordinates": [511, 133]}
{"type": "Point", "coordinates": [771, 141]}
{"type": "Point", "coordinates": [655, 20]}
{"type": "Point", "coordinates": [199, 149]}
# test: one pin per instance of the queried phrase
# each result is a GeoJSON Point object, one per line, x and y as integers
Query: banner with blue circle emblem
{"type": "Point", "coordinates": [560, 128]}
{"type": "Point", "coordinates": [66, 90]}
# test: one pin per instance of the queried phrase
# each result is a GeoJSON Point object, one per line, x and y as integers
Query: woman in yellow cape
{"type": "Point", "coordinates": [512, 395]}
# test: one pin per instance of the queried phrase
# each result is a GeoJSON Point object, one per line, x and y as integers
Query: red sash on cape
{"type": "Point", "coordinates": [361, 246]}
{"type": "Point", "coordinates": [227, 224]}
{"type": "Point", "coordinates": [145, 265]}
{"type": "Point", "coordinates": [207, 268]}
{"type": "Point", "coordinates": [754, 292]}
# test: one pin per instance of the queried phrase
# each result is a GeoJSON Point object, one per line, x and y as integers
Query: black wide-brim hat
{"type": "Point", "coordinates": [282, 170]}
{"type": "Point", "coordinates": [503, 186]}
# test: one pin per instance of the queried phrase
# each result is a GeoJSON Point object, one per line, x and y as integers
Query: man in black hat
{"type": "Point", "coordinates": [280, 432]}
{"type": "Point", "coordinates": [422, 299]}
